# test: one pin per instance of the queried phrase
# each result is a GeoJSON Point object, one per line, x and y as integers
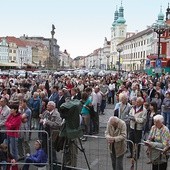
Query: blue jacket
{"type": "Point", "coordinates": [39, 157]}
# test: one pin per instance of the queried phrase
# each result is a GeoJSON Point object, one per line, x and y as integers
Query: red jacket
{"type": "Point", "coordinates": [13, 123]}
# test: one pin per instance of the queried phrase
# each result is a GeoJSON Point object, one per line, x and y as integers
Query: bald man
{"type": "Point", "coordinates": [116, 136]}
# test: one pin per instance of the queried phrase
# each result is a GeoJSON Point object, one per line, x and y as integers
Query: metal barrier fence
{"type": "Point", "coordinates": [74, 155]}
{"type": "Point", "coordinates": [144, 162]}
{"type": "Point", "coordinates": [97, 153]}
{"type": "Point", "coordinates": [33, 136]}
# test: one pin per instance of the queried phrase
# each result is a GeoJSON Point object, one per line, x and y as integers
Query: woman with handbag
{"type": "Point", "coordinates": [158, 140]}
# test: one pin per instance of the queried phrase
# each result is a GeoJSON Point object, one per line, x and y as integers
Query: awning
{"type": "Point", "coordinates": [30, 64]}
{"type": "Point", "coordinates": [9, 64]}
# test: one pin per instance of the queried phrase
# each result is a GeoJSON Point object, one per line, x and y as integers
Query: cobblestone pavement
{"type": "Point", "coordinates": [108, 112]}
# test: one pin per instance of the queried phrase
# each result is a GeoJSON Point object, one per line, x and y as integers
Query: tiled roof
{"type": "Point", "coordinates": [147, 31]}
{"type": "Point", "coordinates": [17, 41]}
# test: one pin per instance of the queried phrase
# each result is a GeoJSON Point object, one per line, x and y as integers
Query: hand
{"type": "Point", "coordinates": [27, 154]}
{"type": "Point", "coordinates": [41, 120]}
{"type": "Point", "coordinates": [110, 139]}
{"type": "Point", "coordinates": [147, 143]}
{"type": "Point", "coordinates": [13, 161]}
{"type": "Point", "coordinates": [132, 118]}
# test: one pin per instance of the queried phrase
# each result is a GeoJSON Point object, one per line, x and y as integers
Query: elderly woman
{"type": "Point", "coordinates": [158, 138]}
{"type": "Point", "coordinates": [122, 108]}
{"type": "Point", "coordinates": [116, 136]}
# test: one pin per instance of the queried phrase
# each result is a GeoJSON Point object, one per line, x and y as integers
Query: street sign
{"type": "Point", "coordinates": [158, 63]}
{"type": "Point", "coordinates": [148, 63]}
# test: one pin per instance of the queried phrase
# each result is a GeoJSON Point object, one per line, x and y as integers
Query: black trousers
{"type": "Point", "coordinates": [135, 136]}
{"type": "Point", "coordinates": [162, 166]}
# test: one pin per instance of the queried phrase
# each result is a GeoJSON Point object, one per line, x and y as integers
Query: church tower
{"type": "Point", "coordinates": [118, 34]}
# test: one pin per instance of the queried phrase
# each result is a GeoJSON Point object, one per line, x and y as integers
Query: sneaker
{"type": "Point", "coordinates": [84, 138]}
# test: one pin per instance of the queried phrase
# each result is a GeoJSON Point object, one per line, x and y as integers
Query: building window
{"type": "Point", "coordinates": [144, 42]}
{"type": "Point", "coordinates": [14, 51]}
{"type": "Point", "coordinates": [10, 57]}
{"type": "Point", "coordinates": [10, 51]}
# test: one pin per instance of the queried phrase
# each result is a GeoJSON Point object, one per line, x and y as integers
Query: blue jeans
{"type": "Point", "coordinates": [166, 116]}
{"type": "Point", "coordinates": [13, 144]}
{"type": "Point", "coordinates": [3, 165]}
{"type": "Point", "coordinates": [103, 105]}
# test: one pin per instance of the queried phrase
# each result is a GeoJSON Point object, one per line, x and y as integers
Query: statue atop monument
{"type": "Point", "coordinates": [53, 32]}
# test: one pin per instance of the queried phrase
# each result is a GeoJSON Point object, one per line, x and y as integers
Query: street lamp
{"type": "Point", "coordinates": [21, 61]}
{"type": "Point", "coordinates": [107, 56]}
{"type": "Point", "coordinates": [142, 64]}
{"type": "Point", "coordinates": [119, 50]}
{"type": "Point", "coordinates": [100, 62]}
{"type": "Point", "coordinates": [159, 29]}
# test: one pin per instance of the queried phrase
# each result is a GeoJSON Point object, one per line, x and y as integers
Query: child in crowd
{"type": "Point", "coordinates": [39, 158]}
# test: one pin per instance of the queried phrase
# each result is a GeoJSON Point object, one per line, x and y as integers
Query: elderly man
{"type": "Point", "coordinates": [51, 121]}
{"type": "Point", "coordinates": [116, 137]}
{"type": "Point", "coordinates": [137, 115]}
{"type": "Point", "coordinates": [4, 113]}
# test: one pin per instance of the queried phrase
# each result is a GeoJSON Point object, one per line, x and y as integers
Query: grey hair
{"type": "Point", "coordinates": [113, 118]}
{"type": "Point", "coordinates": [140, 99]}
{"type": "Point", "coordinates": [123, 95]}
{"type": "Point", "coordinates": [158, 118]}
{"type": "Point", "coordinates": [52, 103]}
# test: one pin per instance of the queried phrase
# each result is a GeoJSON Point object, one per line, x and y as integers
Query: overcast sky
{"type": "Point", "coordinates": [81, 25]}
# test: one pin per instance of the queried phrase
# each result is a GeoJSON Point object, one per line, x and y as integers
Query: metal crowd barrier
{"type": "Point", "coordinates": [97, 153]}
{"type": "Point", "coordinates": [34, 135]}
{"type": "Point", "coordinates": [144, 163]}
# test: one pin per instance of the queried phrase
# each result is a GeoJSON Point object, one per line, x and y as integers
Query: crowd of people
{"type": "Point", "coordinates": [33, 103]}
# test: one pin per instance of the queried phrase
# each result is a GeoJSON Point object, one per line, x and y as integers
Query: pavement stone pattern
{"type": "Point", "coordinates": [108, 112]}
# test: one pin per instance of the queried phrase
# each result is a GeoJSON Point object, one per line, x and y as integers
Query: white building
{"type": "Point", "coordinates": [4, 51]}
{"type": "Point", "coordinates": [135, 50]}
{"type": "Point", "coordinates": [118, 34]}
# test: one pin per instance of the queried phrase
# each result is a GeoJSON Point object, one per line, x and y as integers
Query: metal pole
{"type": "Point", "coordinates": [159, 42]}
{"type": "Point", "coordinates": [119, 63]}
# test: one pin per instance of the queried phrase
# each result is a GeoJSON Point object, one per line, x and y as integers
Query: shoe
{"type": "Point", "coordinates": [95, 133]}
{"type": "Point", "coordinates": [84, 138]}
{"type": "Point", "coordinates": [149, 162]}
{"type": "Point", "coordinates": [129, 156]}
{"type": "Point", "coordinates": [102, 113]}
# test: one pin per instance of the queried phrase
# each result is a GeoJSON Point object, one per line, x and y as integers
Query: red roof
{"type": "Point", "coordinates": [17, 41]}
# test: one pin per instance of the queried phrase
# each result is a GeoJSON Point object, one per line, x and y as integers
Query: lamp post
{"type": "Point", "coordinates": [107, 56]}
{"type": "Point", "coordinates": [21, 61]}
{"type": "Point", "coordinates": [119, 50]}
{"type": "Point", "coordinates": [159, 28]}
{"type": "Point", "coordinates": [142, 64]}
{"type": "Point", "coordinates": [100, 62]}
